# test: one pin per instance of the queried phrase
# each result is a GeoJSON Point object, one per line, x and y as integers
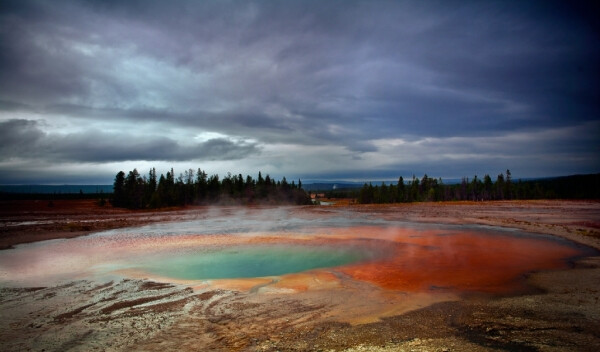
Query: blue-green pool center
{"type": "Point", "coordinates": [251, 261]}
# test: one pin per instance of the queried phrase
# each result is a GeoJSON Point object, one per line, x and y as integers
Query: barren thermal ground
{"type": "Point", "coordinates": [425, 276]}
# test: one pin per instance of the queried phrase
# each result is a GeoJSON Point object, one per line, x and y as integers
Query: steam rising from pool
{"type": "Point", "coordinates": [234, 243]}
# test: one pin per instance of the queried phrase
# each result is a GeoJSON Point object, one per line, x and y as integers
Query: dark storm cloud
{"type": "Point", "coordinates": [99, 147]}
{"type": "Point", "coordinates": [25, 139]}
{"type": "Point", "coordinates": [331, 73]}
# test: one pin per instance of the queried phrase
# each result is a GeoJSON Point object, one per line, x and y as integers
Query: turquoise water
{"type": "Point", "coordinates": [251, 261]}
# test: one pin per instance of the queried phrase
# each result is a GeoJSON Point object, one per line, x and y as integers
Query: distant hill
{"type": "Point", "coordinates": [56, 189]}
{"type": "Point", "coordinates": [330, 186]}
{"type": "Point", "coordinates": [54, 192]}
{"type": "Point", "coordinates": [348, 185]}
{"type": "Point", "coordinates": [573, 186]}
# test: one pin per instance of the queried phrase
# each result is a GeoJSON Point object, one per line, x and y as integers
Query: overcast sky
{"type": "Point", "coordinates": [344, 90]}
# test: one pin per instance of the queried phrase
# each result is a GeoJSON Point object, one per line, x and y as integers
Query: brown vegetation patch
{"type": "Point", "coordinates": [33, 289]}
{"type": "Point", "coordinates": [163, 307]}
{"type": "Point", "coordinates": [101, 287]}
{"type": "Point", "coordinates": [26, 221]}
{"type": "Point", "coordinates": [151, 285]}
{"type": "Point", "coordinates": [133, 303]}
{"type": "Point", "coordinates": [68, 315]}
{"type": "Point", "coordinates": [204, 296]}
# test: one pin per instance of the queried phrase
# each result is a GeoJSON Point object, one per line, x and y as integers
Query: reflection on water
{"type": "Point", "coordinates": [462, 260]}
{"type": "Point", "coordinates": [250, 261]}
{"type": "Point", "coordinates": [242, 243]}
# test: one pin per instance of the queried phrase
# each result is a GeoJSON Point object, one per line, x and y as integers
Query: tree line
{"type": "Point", "coordinates": [477, 189]}
{"type": "Point", "coordinates": [134, 191]}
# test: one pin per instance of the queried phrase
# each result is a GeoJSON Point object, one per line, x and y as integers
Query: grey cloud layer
{"type": "Point", "coordinates": [25, 139]}
{"type": "Point", "coordinates": [339, 73]}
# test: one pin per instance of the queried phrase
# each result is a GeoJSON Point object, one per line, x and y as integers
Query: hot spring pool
{"type": "Point", "coordinates": [392, 255]}
{"type": "Point", "coordinates": [250, 261]}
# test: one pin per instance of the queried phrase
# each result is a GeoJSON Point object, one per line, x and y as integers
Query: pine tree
{"type": "Point", "coordinates": [487, 187]}
{"type": "Point", "coordinates": [400, 191]}
{"type": "Point", "coordinates": [500, 189]}
{"type": "Point", "coordinates": [201, 186]}
{"type": "Point", "coordinates": [119, 196]}
{"type": "Point", "coordinates": [508, 185]}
